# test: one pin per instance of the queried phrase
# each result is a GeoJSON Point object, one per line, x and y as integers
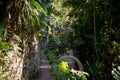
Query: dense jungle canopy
{"type": "Point", "coordinates": [91, 28]}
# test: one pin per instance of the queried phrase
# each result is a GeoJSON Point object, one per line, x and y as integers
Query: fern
{"type": "Point", "coordinates": [116, 73]}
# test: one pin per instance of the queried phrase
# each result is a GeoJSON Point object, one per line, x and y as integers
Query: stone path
{"type": "Point", "coordinates": [45, 68]}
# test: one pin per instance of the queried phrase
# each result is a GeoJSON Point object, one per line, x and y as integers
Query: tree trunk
{"type": "Point", "coordinates": [23, 56]}
{"type": "Point", "coordinates": [95, 40]}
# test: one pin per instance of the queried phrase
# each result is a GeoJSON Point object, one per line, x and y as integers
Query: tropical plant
{"type": "Point", "coordinates": [51, 55]}
{"type": "Point", "coordinates": [63, 72]}
{"type": "Point", "coordinates": [116, 73]}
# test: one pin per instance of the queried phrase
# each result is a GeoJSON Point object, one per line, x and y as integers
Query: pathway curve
{"type": "Point", "coordinates": [45, 68]}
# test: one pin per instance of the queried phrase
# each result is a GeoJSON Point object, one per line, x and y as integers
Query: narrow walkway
{"type": "Point", "coordinates": [45, 68]}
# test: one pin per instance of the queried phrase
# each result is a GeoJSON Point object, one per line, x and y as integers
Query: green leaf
{"type": "Point", "coordinates": [36, 4]}
{"type": "Point", "coordinates": [2, 27]}
{"type": "Point", "coordinates": [4, 45]}
{"type": "Point", "coordinates": [83, 78]}
{"type": "Point", "coordinates": [84, 18]}
{"type": "Point", "coordinates": [40, 35]}
{"type": "Point", "coordinates": [57, 18]}
{"type": "Point", "coordinates": [39, 7]}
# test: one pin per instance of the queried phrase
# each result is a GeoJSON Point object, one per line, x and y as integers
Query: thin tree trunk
{"type": "Point", "coordinates": [95, 40]}
{"type": "Point", "coordinates": [110, 28]}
